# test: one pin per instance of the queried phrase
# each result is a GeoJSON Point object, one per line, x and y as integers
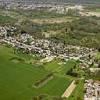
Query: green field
{"type": "Point", "coordinates": [59, 66]}
{"type": "Point", "coordinates": [98, 55]}
{"type": "Point", "coordinates": [78, 93]}
{"type": "Point", "coordinates": [17, 78]}
{"type": "Point", "coordinates": [97, 10]}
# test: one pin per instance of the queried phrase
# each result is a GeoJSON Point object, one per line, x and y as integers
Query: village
{"type": "Point", "coordinates": [45, 48]}
{"type": "Point", "coordinates": [92, 90]}
{"type": "Point", "coordinates": [49, 50]}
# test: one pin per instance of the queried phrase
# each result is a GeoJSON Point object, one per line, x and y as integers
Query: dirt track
{"type": "Point", "coordinates": [69, 90]}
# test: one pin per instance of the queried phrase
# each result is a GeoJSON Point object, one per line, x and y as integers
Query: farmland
{"type": "Point", "coordinates": [17, 78]}
{"type": "Point", "coordinates": [76, 93]}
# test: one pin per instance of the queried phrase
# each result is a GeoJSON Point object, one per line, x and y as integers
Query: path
{"type": "Point", "coordinates": [69, 90]}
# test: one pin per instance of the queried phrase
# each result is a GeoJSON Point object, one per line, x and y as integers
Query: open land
{"type": "Point", "coordinates": [16, 80]}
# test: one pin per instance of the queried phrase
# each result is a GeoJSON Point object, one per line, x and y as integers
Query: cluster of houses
{"type": "Point", "coordinates": [47, 48]}
{"type": "Point", "coordinates": [4, 30]}
{"type": "Point", "coordinates": [92, 90]}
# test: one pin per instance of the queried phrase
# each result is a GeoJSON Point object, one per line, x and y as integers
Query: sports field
{"type": "Point", "coordinates": [17, 78]}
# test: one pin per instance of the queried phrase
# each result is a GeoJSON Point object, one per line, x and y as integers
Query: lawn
{"type": "Point", "coordinates": [16, 79]}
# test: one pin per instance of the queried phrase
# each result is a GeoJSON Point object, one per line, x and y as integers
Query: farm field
{"type": "Point", "coordinates": [17, 78]}
{"type": "Point", "coordinates": [60, 67]}
{"type": "Point", "coordinates": [77, 95]}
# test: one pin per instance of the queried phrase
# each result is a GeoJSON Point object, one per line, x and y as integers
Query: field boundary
{"type": "Point", "coordinates": [43, 81]}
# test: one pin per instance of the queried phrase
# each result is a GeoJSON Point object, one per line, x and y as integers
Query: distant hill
{"type": "Point", "coordinates": [56, 1]}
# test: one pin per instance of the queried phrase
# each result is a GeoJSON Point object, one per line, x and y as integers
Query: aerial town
{"type": "Point", "coordinates": [46, 48]}
{"type": "Point", "coordinates": [49, 50]}
{"type": "Point", "coordinates": [65, 65]}
{"type": "Point", "coordinates": [92, 90]}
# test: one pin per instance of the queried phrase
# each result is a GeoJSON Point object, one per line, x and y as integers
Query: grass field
{"type": "Point", "coordinates": [98, 56]}
{"type": "Point", "coordinates": [98, 10]}
{"type": "Point", "coordinates": [16, 79]}
{"type": "Point", "coordinates": [60, 67]}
